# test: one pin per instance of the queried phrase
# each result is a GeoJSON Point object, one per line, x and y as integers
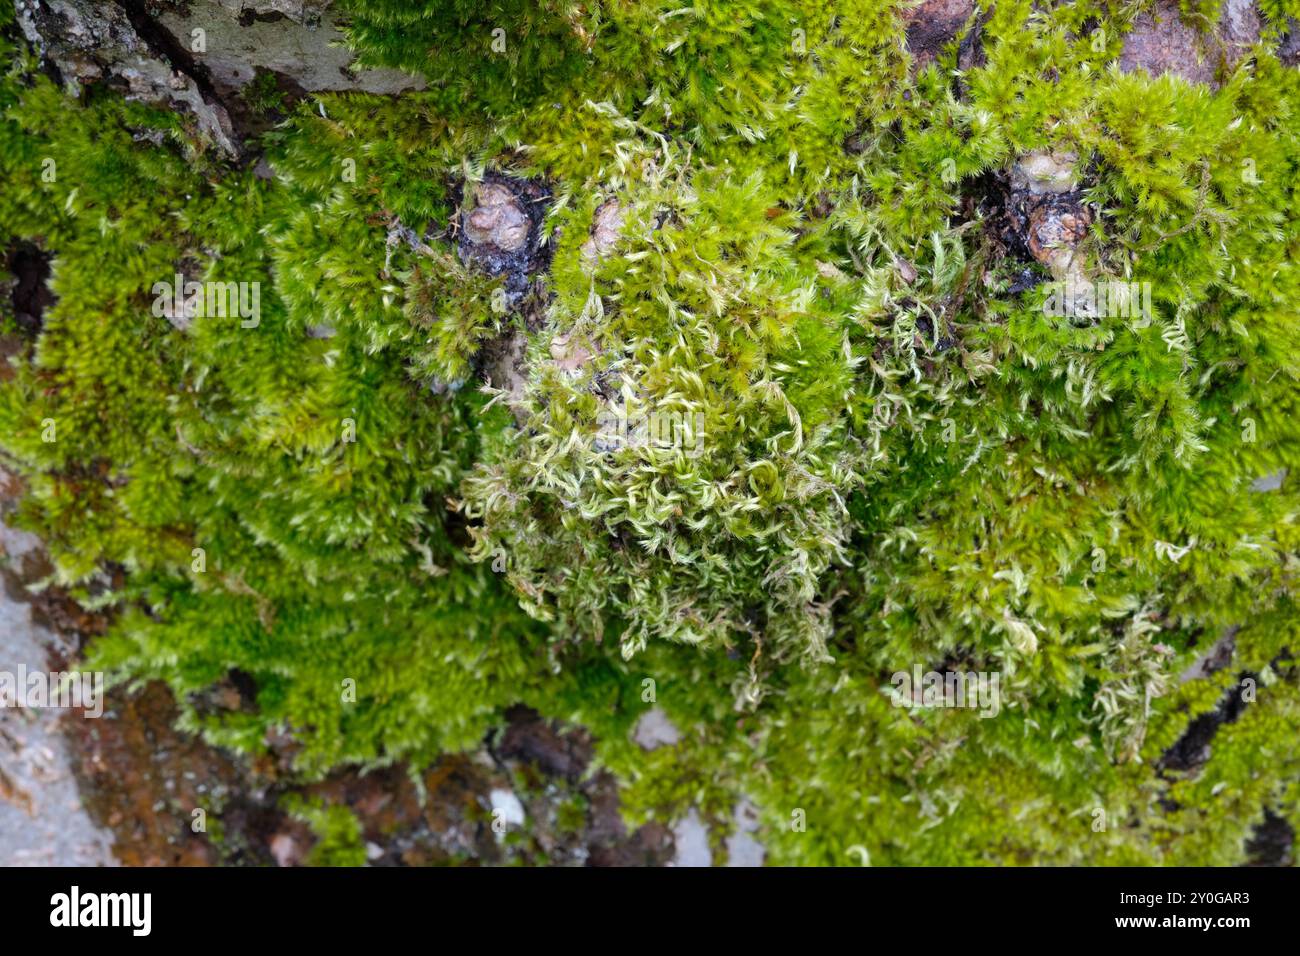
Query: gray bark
{"type": "Point", "coordinates": [197, 56]}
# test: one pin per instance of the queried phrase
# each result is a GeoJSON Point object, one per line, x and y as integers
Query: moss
{"type": "Point", "coordinates": [337, 831]}
{"type": "Point", "coordinates": [262, 94]}
{"type": "Point", "coordinates": [792, 426]}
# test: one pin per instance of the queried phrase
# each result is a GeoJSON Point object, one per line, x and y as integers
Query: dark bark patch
{"type": "Point", "coordinates": [30, 295]}
{"type": "Point", "coordinates": [1162, 42]}
{"type": "Point", "coordinates": [499, 231]}
{"type": "Point", "coordinates": [1288, 50]}
{"type": "Point", "coordinates": [1271, 842]}
{"type": "Point", "coordinates": [532, 741]}
{"type": "Point", "coordinates": [932, 25]}
{"type": "Point", "coordinates": [1192, 750]}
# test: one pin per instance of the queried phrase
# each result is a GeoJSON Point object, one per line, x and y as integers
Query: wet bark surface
{"type": "Point", "coordinates": [43, 817]}
{"type": "Point", "coordinates": [933, 25]}
{"type": "Point", "coordinates": [201, 57]}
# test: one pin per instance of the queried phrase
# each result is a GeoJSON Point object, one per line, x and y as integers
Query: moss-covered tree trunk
{"type": "Point", "coordinates": [957, 341]}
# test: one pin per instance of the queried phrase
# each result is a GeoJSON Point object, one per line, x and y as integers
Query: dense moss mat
{"type": "Point", "coordinates": [904, 461]}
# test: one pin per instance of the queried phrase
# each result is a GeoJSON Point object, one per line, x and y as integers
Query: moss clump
{"type": "Point", "coordinates": [337, 831]}
{"type": "Point", "coordinates": [792, 420]}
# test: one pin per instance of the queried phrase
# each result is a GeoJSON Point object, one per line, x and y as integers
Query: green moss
{"type": "Point", "coordinates": [338, 833]}
{"type": "Point", "coordinates": [876, 455]}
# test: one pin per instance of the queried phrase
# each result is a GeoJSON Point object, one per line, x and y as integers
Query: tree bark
{"type": "Point", "coordinates": [197, 57]}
